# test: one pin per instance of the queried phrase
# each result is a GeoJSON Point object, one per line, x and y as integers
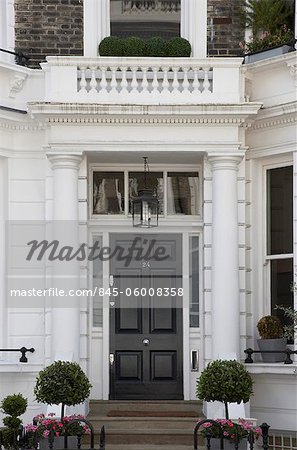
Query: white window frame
{"type": "Point", "coordinates": [139, 168]}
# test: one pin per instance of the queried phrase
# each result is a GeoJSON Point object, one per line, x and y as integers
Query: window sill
{"type": "Point", "coordinates": [272, 368]}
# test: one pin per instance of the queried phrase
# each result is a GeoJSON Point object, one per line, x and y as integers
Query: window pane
{"type": "Point", "coordinates": [145, 18]}
{"type": "Point", "coordinates": [194, 281]}
{"type": "Point", "coordinates": [97, 281]}
{"type": "Point", "coordinates": [183, 193]}
{"type": "Point", "coordinates": [154, 181]}
{"type": "Point", "coordinates": [108, 193]}
{"type": "Point", "coordinates": [280, 210]}
{"type": "Point", "coordinates": [281, 282]}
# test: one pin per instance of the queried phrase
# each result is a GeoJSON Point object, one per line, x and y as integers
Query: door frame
{"type": "Point", "coordinates": [186, 230]}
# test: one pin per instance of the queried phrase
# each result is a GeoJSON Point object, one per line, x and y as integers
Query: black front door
{"type": "Point", "coordinates": [146, 318]}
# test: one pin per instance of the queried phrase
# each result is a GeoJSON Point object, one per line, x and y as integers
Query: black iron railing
{"type": "Point", "coordinates": [21, 441]}
{"type": "Point", "coordinates": [20, 58]}
{"type": "Point", "coordinates": [288, 352]}
{"type": "Point", "coordinates": [250, 439]}
{"type": "Point", "coordinates": [23, 350]}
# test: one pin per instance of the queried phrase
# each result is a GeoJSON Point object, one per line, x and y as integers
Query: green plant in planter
{"type": "Point", "coordinates": [225, 381]}
{"type": "Point", "coordinates": [291, 314]}
{"type": "Point", "coordinates": [14, 406]}
{"type": "Point", "coordinates": [134, 46]}
{"type": "Point", "coordinates": [155, 47]}
{"type": "Point", "coordinates": [270, 327]}
{"type": "Point", "coordinates": [271, 22]}
{"type": "Point", "coordinates": [178, 47]}
{"type": "Point", "coordinates": [62, 382]}
{"type": "Point", "coordinates": [111, 46]}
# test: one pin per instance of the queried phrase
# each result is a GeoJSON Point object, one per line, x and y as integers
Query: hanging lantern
{"type": "Point", "coordinates": [145, 207]}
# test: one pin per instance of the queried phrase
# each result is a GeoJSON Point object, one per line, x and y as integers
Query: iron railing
{"type": "Point", "coordinates": [21, 439]}
{"type": "Point", "coordinates": [288, 352]}
{"type": "Point", "coordinates": [20, 58]}
{"type": "Point", "coordinates": [23, 350]}
{"type": "Point", "coordinates": [250, 439]}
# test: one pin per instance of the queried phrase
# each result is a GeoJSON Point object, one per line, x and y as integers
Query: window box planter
{"type": "Point", "coordinates": [272, 345]}
{"type": "Point", "coordinates": [269, 53]}
{"type": "Point", "coordinates": [58, 443]}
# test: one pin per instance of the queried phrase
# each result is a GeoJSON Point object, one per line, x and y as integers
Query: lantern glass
{"type": "Point", "coordinates": [145, 209]}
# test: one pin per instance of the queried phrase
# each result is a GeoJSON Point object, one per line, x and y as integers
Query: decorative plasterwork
{"type": "Point", "coordinates": [274, 123]}
{"type": "Point", "coordinates": [16, 84]}
{"type": "Point", "coordinates": [293, 71]}
{"type": "Point", "coordinates": [146, 120]}
{"type": "Point", "coordinates": [12, 126]}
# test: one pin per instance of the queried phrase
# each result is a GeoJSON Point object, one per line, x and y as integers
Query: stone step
{"type": "Point", "coordinates": [142, 423]}
{"type": "Point", "coordinates": [102, 407]}
{"type": "Point", "coordinates": [149, 437]}
{"type": "Point", "coordinates": [151, 447]}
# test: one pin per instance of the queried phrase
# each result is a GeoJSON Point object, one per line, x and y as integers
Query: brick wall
{"type": "Point", "coordinates": [48, 27]}
{"type": "Point", "coordinates": [55, 27]}
{"type": "Point", "coordinates": [224, 27]}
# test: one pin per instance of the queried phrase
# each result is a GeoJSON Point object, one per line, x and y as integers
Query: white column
{"type": "Point", "coordinates": [3, 216]}
{"type": "Point", "coordinates": [225, 256]}
{"type": "Point", "coordinates": [96, 25]}
{"type": "Point", "coordinates": [194, 25]}
{"type": "Point", "coordinates": [65, 331]}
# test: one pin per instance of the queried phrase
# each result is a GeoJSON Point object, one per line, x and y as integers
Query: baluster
{"type": "Point", "coordinates": [144, 83]}
{"type": "Point", "coordinates": [93, 82]}
{"type": "Point", "coordinates": [165, 82]}
{"type": "Point", "coordinates": [124, 82]}
{"type": "Point", "coordinates": [175, 84]}
{"type": "Point", "coordinates": [185, 83]}
{"type": "Point", "coordinates": [113, 82]}
{"type": "Point", "coordinates": [83, 81]}
{"type": "Point", "coordinates": [103, 84]}
{"type": "Point", "coordinates": [155, 83]}
{"type": "Point", "coordinates": [134, 83]}
{"type": "Point", "coordinates": [206, 83]}
{"type": "Point", "coordinates": [196, 83]}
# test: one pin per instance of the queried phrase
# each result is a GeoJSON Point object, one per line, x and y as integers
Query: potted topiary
{"type": "Point", "coordinates": [271, 333]}
{"type": "Point", "coordinates": [271, 23]}
{"type": "Point", "coordinates": [226, 382]}
{"type": "Point", "coordinates": [63, 382]}
{"type": "Point", "coordinates": [14, 406]}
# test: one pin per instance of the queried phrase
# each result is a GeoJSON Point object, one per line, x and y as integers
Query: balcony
{"type": "Point", "coordinates": [143, 81]}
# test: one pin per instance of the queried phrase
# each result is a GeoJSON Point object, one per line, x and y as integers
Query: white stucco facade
{"type": "Point", "coordinates": [228, 121]}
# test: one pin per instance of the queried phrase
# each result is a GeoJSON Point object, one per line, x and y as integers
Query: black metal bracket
{"type": "Point", "coordinates": [23, 350]}
{"type": "Point", "coordinates": [20, 58]}
{"type": "Point", "coordinates": [288, 352]}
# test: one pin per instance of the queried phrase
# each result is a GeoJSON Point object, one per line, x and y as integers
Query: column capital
{"type": "Point", "coordinates": [225, 161]}
{"type": "Point", "coordinates": [65, 161]}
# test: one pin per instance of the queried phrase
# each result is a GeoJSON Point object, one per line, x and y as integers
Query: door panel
{"type": "Point", "coordinates": [146, 329]}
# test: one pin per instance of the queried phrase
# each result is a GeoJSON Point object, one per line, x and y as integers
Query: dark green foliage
{"type": "Point", "coordinates": [14, 405]}
{"type": "Point", "coordinates": [62, 382]}
{"type": "Point", "coordinates": [12, 422]}
{"type": "Point", "coordinates": [225, 381]}
{"type": "Point", "coordinates": [270, 327]}
{"type": "Point", "coordinates": [111, 46]}
{"type": "Point", "coordinates": [134, 46]}
{"type": "Point", "coordinates": [178, 47]}
{"type": "Point", "coordinates": [156, 47]}
{"type": "Point", "coordinates": [268, 15]}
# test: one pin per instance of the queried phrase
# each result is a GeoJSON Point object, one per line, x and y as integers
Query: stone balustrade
{"type": "Point", "coordinates": [111, 80]}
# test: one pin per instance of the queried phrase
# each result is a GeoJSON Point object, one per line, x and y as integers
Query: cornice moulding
{"type": "Point", "coordinates": [96, 113]}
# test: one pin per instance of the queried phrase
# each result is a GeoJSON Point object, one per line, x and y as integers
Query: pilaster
{"type": "Point", "coordinates": [225, 256]}
{"type": "Point", "coordinates": [65, 317]}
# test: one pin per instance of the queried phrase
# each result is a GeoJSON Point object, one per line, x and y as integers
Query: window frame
{"type": "Point", "coordinates": [139, 168]}
{"type": "Point", "coordinates": [272, 257]}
